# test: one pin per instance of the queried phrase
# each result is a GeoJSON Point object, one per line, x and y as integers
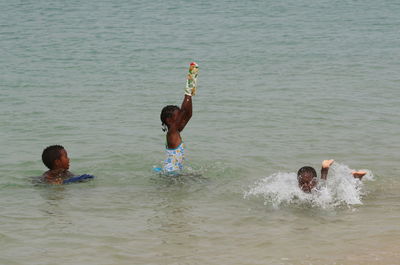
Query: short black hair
{"type": "Point", "coordinates": [166, 112]}
{"type": "Point", "coordinates": [306, 171]}
{"type": "Point", "coordinates": [51, 154]}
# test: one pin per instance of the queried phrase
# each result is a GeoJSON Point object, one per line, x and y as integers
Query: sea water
{"type": "Point", "coordinates": [282, 85]}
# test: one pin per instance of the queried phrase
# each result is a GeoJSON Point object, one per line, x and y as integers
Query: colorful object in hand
{"type": "Point", "coordinates": [191, 84]}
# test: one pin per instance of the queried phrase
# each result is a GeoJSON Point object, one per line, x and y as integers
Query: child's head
{"type": "Point", "coordinates": [307, 178]}
{"type": "Point", "coordinates": [55, 157]}
{"type": "Point", "coordinates": [168, 113]}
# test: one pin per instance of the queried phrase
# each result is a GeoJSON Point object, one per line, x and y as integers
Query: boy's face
{"type": "Point", "coordinates": [63, 162]}
{"type": "Point", "coordinates": [307, 182]}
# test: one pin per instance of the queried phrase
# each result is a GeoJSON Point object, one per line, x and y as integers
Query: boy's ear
{"type": "Point", "coordinates": [56, 163]}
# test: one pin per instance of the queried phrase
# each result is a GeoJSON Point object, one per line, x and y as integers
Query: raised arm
{"type": "Point", "coordinates": [325, 167]}
{"type": "Point", "coordinates": [190, 90]}
{"type": "Point", "coordinates": [185, 112]}
{"type": "Point", "coordinates": [181, 116]}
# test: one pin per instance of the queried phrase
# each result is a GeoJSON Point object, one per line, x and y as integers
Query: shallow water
{"type": "Point", "coordinates": [281, 85]}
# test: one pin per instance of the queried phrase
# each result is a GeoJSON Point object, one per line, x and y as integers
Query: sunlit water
{"type": "Point", "coordinates": [282, 85]}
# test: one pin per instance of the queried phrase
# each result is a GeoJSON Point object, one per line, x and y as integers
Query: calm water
{"type": "Point", "coordinates": [282, 85]}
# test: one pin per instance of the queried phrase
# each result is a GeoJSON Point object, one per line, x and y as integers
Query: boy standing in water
{"type": "Point", "coordinates": [174, 120]}
{"type": "Point", "coordinates": [307, 176]}
{"type": "Point", "coordinates": [56, 159]}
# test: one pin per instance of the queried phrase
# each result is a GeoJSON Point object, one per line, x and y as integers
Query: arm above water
{"type": "Point", "coordinates": [358, 174]}
{"type": "Point", "coordinates": [190, 90]}
{"type": "Point", "coordinates": [185, 113]}
{"type": "Point", "coordinates": [325, 168]}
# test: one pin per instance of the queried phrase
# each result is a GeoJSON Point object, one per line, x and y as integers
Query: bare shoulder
{"type": "Point", "coordinates": [56, 176]}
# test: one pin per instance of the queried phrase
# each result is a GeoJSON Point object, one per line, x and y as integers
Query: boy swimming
{"type": "Point", "coordinates": [56, 159]}
{"type": "Point", "coordinates": [174, 120]}
{"type": "Point", "coordinates": [307, 176]}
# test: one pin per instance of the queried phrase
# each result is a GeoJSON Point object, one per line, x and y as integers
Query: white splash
{"type": "Point", "coordinates": [340, 188]}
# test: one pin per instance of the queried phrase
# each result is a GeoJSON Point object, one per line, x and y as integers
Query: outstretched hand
{"type": "Point", "coordinates": [327, 163]}
{"type": "Point", "coordinates": [358, 174]}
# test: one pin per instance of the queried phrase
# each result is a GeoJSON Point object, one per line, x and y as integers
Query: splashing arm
{"type": "Point", "coordinates": [325, 168]}
{"type": "Point", "coordinates": [358, 174]}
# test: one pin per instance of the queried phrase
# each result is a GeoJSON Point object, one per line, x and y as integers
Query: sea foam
{"type": "Point", "coordinates": [340, 188]}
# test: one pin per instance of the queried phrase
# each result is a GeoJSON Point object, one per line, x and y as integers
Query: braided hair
{"type": "Point", "coordinates": [165, 114]}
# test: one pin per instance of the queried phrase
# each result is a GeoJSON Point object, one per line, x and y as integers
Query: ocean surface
{"type": "Point", "coordinates": [282, 84]}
